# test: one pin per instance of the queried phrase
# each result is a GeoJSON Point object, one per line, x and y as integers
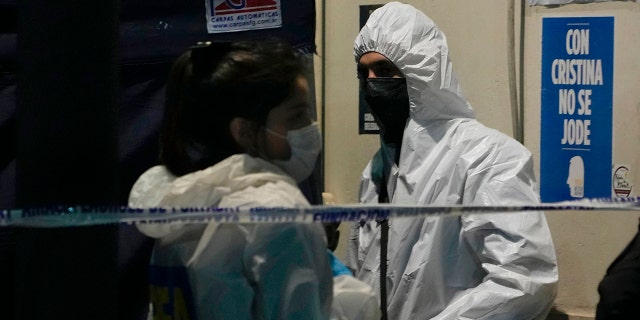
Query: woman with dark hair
{"type": "Point", "coordinates": [236, 133]}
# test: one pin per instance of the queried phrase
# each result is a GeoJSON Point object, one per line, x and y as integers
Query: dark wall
{"type": "Point", "coordinates": [81, 99]}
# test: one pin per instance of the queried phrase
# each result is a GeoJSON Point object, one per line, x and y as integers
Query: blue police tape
{"type": "Point", "coordinates": [68, 216]}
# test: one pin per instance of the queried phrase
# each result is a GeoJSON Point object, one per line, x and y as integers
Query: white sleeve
{"type": "Point", "coordinates": [354, 300]}
{"type": "Point", "coordinates": [515, 249]}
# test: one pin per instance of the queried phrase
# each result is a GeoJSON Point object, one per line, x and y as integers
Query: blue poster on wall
{"type": "Point", "coordinates": [576, 106]}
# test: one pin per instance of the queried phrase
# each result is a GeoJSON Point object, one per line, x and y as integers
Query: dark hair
{"type": "Point", "coordinates": [212, 83]}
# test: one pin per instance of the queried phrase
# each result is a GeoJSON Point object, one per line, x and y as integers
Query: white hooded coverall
{"type": "Point", "coordinates": [229, 270]}
{"type": "Point", "coordinates": [480, 266]}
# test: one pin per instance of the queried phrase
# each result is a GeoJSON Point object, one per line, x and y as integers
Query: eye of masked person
{"type": "Point", "coordinates": [378, 69]}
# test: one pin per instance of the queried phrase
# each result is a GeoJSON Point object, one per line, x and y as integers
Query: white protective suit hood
{"type": "Point", "coordinates": [238, 181]}
{"type": "Point", "coordinates": [419, 49]}
{"type": "Point", "coordinates": [483, 266]}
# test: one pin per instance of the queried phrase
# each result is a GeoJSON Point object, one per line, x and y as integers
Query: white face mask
{"type": "Point", "coordinates": [305, 144]}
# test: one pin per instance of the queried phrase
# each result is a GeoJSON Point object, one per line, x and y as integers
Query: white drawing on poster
{"type": "Point", "coordinates": [575, 178]}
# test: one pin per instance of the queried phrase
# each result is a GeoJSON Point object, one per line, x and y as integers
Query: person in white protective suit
{"type": "Point", "coordinates": [434, 152]}
{"type": "Point", "coordinates": [237, 134]}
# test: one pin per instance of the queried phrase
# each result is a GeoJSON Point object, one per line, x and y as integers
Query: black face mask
{"type": "Point", "coordinates": [388, 100]}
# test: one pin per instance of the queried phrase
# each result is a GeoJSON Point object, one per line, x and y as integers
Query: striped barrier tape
{"type": "Point", "coordinates": [70, 216]}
